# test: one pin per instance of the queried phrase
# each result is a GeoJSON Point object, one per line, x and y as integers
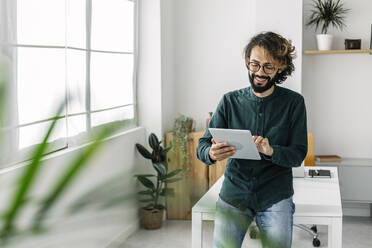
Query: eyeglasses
{"type": "Point", "coordinates": [255, 67]}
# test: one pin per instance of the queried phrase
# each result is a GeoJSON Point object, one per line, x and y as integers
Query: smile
{"type": "Point", "coordinates": [260, 80]}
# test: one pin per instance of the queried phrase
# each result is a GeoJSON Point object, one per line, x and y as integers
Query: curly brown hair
{"type": "Point", "coordinates": [279, 50]}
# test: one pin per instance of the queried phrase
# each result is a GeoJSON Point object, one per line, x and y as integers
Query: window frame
{"type": "Point", "coordinates": [82, 138]}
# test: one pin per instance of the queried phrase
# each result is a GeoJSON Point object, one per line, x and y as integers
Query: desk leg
{"type": "Point", "coordinates": [197, 230]}
{"type": "Point", "coordinates": [335, 233]}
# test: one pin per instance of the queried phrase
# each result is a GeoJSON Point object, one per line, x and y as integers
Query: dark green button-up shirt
{"type": "Point", "coordinates": [280, 117]}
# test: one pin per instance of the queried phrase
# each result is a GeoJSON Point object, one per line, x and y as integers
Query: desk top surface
{"type": "Point", "coordinates": [313, 196]}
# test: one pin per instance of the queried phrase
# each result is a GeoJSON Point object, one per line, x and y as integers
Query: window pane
{"type": "Point", "coordinates": [111, 80]}
{"type": "Point", "coordinates": [34, 134]}
{"type": "Point", "coordinates": [76, 74]}
{"type": "Point", "coordinates": [41, 83]}
{"type": "Point", "coordinates": [76, 21]}
{"type": "Point", "coordinates": [76, 125]}
{"type": "Point", "coordinates": [41, 22]}
{"type": "Point", "coordinates": [107, 116]}
{"type": "Point", "coordinates": [112, 25]}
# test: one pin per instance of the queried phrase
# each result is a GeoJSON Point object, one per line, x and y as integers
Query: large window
{"type": "Point", "coordinates": [81, 53]}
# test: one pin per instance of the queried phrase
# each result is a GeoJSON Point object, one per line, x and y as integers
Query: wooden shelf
{"type": "Point", "coordinates": [338, 51]}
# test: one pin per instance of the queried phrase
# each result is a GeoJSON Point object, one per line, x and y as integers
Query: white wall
{"type": "Point", "coordinates": [149, 87]}
{"type": "Point", "coordinates": [209, 40]}
{"type": "Point", "coordinates": [201, 59]}
{"type": "Point", "coordinates": [204, 44]}
{"type": "Point", "coordinates": [337, 88]}
{"type": "Point", "coordinates": [285, 18]}
{"type": "Point", "coordinates": [168, 64]}
{"type": "Point", "coordinates": [93, 227]}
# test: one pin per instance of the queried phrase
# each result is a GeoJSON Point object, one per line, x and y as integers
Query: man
{"type": "Point", "coordinates": [276, 116]}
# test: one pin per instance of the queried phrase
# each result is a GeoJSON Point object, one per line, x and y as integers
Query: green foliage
{"type": "Point", "coordinates": [71, 173]}
{"type": "Point", "coordinates": [181, 129]}
{"type": "Point", "coordinates": [29, 176]}
{"type": "Point", "coordinates": [25, 183]}
{"type": "Point", "coordinates": [228, 216]}
{"type": "Point", "coordinates": [327, 12]}
{"type": "Point", "coordinates": [159, 188]}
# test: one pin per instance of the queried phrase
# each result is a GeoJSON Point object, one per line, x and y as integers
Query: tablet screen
{"type": "Point", "coordinates": [242, 140]}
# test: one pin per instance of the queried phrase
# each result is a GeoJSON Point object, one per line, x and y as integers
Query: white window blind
{"type": "Point", "coordinates": [81, 53]}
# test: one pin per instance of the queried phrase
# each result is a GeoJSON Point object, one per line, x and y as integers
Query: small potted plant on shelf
{"type": "Point", "coordinates": [152, 213]}
{"type": "Point", "coordinates": [324, 14]}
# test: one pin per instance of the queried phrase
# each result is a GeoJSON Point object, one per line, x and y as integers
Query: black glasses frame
{"type": "Point", "coordinates": [259, 68]}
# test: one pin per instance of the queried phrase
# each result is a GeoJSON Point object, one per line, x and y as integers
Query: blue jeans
{"type": "Point", "coordinates": [275, 225]}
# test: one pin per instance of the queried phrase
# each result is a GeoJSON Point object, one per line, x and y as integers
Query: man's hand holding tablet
{"type": "Point", "coordinates": [235, 143]}
{"type": "Point", "coordinates": [220, 151]}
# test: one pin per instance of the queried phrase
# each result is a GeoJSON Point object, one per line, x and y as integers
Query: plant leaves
{"type": "Point", "coordinates": [160, 168]}
{"type": "Point", "coordinates": [165, 166]}
{"type": "Point", "coordinates": [26, 180]}
{"type": "Point", "coordinates": [143, 151]}
{"type": "Point", "coordinates": [166, 149]}
{"type": "Point", "coordinates": [146, 182]}
{"type": "Point", "coordinates": [146, 192]}
{"type": "Point", "coordinates": [144, 175]}
{"type": "Point", "coordinates": [154, 142]}
{"type": "Point", "coordinates": [327, 12]}
{"type": "Point", "coordinates": [72, 171]}
{"type": "Point", "coordinates": [173, 173]}
{"type": "Point", "coordinates": [173, 180]}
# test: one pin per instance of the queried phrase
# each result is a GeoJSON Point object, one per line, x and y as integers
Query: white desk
{"type": "Point", "coordinates": [317, 200]}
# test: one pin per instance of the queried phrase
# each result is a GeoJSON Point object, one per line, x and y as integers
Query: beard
{"type": "Point", "coordinates": [268, 85]}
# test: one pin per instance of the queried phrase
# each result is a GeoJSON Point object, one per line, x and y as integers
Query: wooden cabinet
{"type": "Point", "coordinates": [310, 156]}
{"type": "Point", "coordinates": [195, 182]}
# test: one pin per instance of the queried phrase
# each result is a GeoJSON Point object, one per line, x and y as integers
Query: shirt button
{"type": "Point", "coordinates": [260, 114]}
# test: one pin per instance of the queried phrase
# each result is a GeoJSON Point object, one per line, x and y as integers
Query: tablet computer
{"type": "Point", "coordinates": [242, 140]}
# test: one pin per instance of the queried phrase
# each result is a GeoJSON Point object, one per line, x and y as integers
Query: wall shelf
{"type": "Point", "coordinates": [338, 51]}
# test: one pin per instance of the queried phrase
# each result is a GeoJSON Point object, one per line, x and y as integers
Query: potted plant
{"type": "Point", "coordinates": [181, 129]}
{"type": "Point", "coordinates": [152, 213]}
{"type": "Point", "coordinates": [325, 13]}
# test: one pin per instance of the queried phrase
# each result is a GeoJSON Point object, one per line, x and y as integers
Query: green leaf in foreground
{"type": "Point", "coordinates": [72, 171]}
{"type": "Point", "coordinates": [25, 183]}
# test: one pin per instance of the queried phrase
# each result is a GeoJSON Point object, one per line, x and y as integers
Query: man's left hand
{"type": "Point", "coordinates": [263, 145]}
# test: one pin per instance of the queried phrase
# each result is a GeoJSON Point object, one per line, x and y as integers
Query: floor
{"type": "Point", "coordinates": [357, 233]}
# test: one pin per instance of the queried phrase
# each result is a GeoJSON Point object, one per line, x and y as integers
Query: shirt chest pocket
{"type": "Point", "coordinates": [278, 135]}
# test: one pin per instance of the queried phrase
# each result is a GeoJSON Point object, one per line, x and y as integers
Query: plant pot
{"type": "Point", "coordinates": [324, 41]}
{"type": "Point", "coordinates": [152, 218]}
